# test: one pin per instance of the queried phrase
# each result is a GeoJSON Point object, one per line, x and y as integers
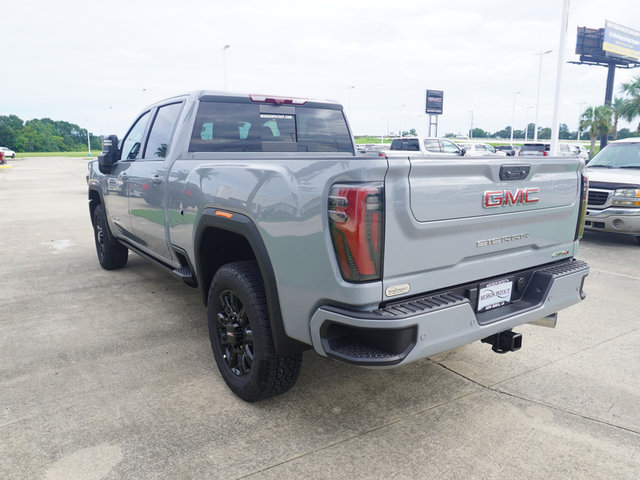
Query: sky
{"type": "Point", "coordinates": [98, 64]}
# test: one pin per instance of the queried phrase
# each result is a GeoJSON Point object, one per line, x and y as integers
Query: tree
{"type": "Point", "coordinates": [504, 133]}
{"type": "Point", "coordinates": [596, 121]}
{"type": "Point", "coordinates": [631, 107]}
{"type": "Point", "coordinates": [530, 130]}
{"type": "Point", "coordinates": [479, 133]}
{"type": "Point", "coordinates": [410, 133]}
{"type": "Point", "coordinates": [625, 133]}
{"type": "Point", "coordinates": [544, 133]}
{"type": "Point", "coordinates": [617, 107]}
{"type": "Point", "coordinates": [44, 135]}
{"type": "Point", "coordinates": [564, 133]}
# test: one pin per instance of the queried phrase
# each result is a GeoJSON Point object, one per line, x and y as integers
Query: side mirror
{"type": "Point", "coordinates": [109, 154]}
{"type": "Point", "coordinates": [463, 152]}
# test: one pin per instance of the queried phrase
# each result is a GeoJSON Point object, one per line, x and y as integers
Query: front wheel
{"type": "Point", "coordinates": [240, 335]}
{"type": "Point", "coordinates": [111, 254]}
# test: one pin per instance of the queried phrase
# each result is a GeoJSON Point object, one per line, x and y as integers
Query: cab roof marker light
{"type": "Point", "coordinates": [277, 100]}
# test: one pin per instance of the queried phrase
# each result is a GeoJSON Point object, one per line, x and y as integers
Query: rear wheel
{"type": "Point", "coordinates": [111, 254]}
{"type": "Point", "coordinates": [240, 335]}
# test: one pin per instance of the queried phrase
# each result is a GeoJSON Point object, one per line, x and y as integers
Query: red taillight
{"type": "Point", "coordinates": [356, 218]}
{"type": "Point", "coordinates": [544, 154]}
{"type": "Point", "coordinates": [584, 198]}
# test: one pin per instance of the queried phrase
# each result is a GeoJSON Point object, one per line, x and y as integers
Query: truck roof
{"type": "Point", "coordinates": [218, 95]}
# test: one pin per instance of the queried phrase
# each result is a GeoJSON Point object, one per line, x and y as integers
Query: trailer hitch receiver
{"type": "Point", "coordinates": [504, 342]}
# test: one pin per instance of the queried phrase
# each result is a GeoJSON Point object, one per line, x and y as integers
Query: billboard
{"type": "Point", "coordinates": [621, 41]}
{"type": "Point", "coordinates": [434, 102]}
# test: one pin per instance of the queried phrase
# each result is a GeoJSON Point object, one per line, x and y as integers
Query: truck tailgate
{"type": "Point", "coordinates": [472, 219]}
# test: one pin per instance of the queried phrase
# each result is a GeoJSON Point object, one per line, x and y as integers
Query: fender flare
{"type": "Point", "coordinates": [242, 225]}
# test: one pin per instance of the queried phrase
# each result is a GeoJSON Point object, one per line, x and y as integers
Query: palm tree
{"type": "Point", "coordinates": [631, 107]}
{"type": "Point", "coordinates": [617, 107]}
{"type": "Point", "coordinates": [596, 121]}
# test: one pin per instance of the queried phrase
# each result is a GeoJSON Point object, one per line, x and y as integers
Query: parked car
{"type": "Point", "coordinates": [427, 146]}
{"type": "Point", "coordinates": [581, 152]}
{"type": "Point", "coordinates": [614, 189]}
{"type": "Point", "coordinates": [508, 149]}
{"type": "Point", "coordinates": [543, 149]}
{"type": "Point", "coordinates": [481, 150]}
{"type": "Point", "coordinates": [2, 160]}
{"type": "Point", "coordinates": [7, 152]}
{"type": "Point", "coordinates": [376, 148]}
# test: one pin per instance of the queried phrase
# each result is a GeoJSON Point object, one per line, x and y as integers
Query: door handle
{"type": "Point", "coordinates": [156, 180]}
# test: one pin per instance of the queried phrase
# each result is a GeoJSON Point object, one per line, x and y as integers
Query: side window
{"type": "Point", "coordinates": [132, 143]}
{"type": "Point", "coordinates": [449, 147]}
{"type": "Point", "coordinates": [161, 131]}
{"type": "Point", "coordinates": [432, 146]}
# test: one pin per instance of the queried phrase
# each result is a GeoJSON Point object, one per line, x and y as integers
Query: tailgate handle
{"type": "Point", "coordinates": [514, 172]}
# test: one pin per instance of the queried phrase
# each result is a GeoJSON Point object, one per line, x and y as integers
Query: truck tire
{"type": "Point", "coordinates": [111, 254]}
{"type": "Point", "coordinates": [241, 338]}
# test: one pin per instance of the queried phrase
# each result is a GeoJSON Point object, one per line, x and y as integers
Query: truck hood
{"type": "Point", "coordinates": [624, 176]}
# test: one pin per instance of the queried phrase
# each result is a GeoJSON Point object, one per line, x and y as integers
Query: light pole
{"type": "Point", "coordinates": [88, 142]}
{"type": "Point", "coordinates": [224, 64]}
{"type": "Point", "coordinates": [535, 127]}
{"type": "Point", "coordinates": [513, 113]}
{"type": "Point", "coordinates": [471, 129]}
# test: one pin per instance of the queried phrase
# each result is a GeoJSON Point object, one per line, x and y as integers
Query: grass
{"type": "Point", "coordinates": [57, 154]}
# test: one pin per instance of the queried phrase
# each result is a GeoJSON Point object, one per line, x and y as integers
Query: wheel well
{"type": "Point", "coordinates": [217, 248]}
{"type": "Point", "coordinates": [94, 201]}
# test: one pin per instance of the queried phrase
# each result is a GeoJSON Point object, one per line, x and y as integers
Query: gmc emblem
{"type": "Point", "coordinates": [505, 198]}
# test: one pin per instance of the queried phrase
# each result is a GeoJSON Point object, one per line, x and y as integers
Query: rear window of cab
{"type": "Point", "coordinates": [242, 127]}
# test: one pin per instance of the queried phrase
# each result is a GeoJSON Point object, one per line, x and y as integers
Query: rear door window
{"type": "Point", "coordinates": [432, 146]}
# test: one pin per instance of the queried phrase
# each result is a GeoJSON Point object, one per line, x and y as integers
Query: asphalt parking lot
{"type": "Point", "coordinates": [109, 375]}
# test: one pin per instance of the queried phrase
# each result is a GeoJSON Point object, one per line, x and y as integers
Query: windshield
{"type": "Point", "coordinates": [618, 155]}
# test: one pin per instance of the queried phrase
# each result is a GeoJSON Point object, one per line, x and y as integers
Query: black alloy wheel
{"type": "Point", "coordinates": [235, 336]}
{"type": "Point", "coordinates": [240, 335]}
{"type": "Point", "coordinates": [111, 254]}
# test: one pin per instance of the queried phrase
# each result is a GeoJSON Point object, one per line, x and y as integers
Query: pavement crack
{"type": "Point", "coordinates": [493, 388]}
{"type": "Point", "coordinates": [359, 434]}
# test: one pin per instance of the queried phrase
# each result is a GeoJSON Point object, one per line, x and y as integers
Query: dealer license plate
{"type": "Point", "coordinates": [494, 294]}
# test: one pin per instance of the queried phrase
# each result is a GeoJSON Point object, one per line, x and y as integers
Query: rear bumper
{"type": "Point", "coordinates": [612, 219]}
{"type": "Point", "coordinates": [422, 326]}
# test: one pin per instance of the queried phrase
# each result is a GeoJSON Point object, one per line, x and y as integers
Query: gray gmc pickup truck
{"type": "Point", "coordinates": [297, 242]}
